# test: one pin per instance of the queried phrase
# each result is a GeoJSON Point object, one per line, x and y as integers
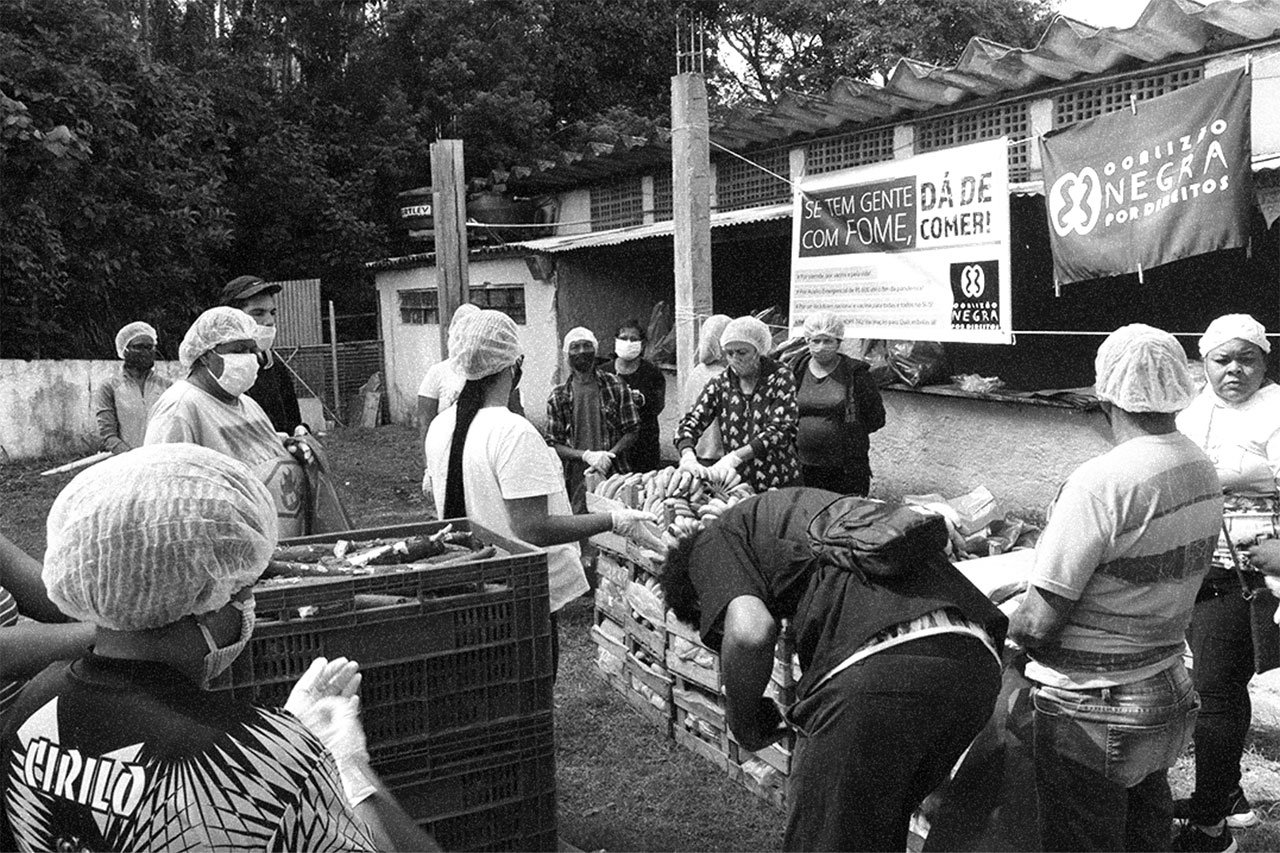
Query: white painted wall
{"type": "Point", "coordinates": [46, 407]}
{"type": "Point", "coordinates": [1021, 453]}
{"type": "Point", "coordinates": [411, 349]}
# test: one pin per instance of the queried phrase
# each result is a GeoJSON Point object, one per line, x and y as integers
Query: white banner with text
{"type": "Point", "coordinates": [914, 249]}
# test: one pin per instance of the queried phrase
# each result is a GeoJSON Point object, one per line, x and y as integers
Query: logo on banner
{"type": "Point", "coordinates": [975, 295]}
{"type": "Point", "coordinates": [1075, 201]}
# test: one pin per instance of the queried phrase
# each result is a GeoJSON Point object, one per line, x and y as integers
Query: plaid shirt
{"type": "Point", "coordinates": [619, 416]}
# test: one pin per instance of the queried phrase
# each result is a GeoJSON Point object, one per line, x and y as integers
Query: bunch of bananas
{"type": "Point", "coordinates": [676, 495]}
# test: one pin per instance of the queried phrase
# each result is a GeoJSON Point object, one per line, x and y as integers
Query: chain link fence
{"type": "Point", "coordinates": [313, 370]}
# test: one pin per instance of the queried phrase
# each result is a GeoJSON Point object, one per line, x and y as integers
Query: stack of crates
{"type": "Point", "coordinates": [457, 680]}
{"type": "Point", "coordinates": [661, 668]}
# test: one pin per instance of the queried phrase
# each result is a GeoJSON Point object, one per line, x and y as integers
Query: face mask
{"type": "Point", "coordinates": [239, 372]}
{"type": "Point", "coordinates": [264, 336]}
{"type": "Point", "coordinates": [217, 660]}
{"type": "Point", "coordinates": [140, 360]}
{"type": "Point", "coordinates": [583, 361]}
{"type": "Point", "coordinates": [628, 350]}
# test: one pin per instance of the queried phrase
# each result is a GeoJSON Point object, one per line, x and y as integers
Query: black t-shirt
{"type": "Point", "coordinates": [652, 383]}
{"type": "Point", "coordinates": [274, 392]}
{"type": "Point", "coordinates": [109, 754]}
{"type": "Point", "coordinates": [760, 547]}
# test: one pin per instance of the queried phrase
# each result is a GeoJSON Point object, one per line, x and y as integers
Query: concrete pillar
{"type": "Point", "coordinates": [691, 211]}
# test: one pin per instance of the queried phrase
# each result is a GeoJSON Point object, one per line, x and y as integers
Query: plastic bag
{"type": "Point", "coordinates": [918, 362]}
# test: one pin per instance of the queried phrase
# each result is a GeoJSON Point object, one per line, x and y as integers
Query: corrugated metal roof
{"type": "Point", "coordinates": [570, 242]}
{"type": "Point", "coordinates": [1165, 30]}
{"type": "Point", "coordinates": [428, 259]}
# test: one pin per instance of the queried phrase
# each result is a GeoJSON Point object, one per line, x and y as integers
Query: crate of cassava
{"type": "Point", "coordinates": [699, 723]}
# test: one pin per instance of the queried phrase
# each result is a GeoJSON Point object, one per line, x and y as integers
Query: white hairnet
{"type": "Point", "coordinates": [748, 330]}
{"type": "Point", "coordinates": [1143, 369]}
{"type": "Point", "coordinates": [465, 311]}
{"type": "Point", "coordinates": [709, 349]}
{"type": "Point", "coordinates": [824, 323]}
{"type": "Point", "coordinates": [131, 332]}
{"type": "Point", "coordinates": [216, 326]}
{"type": "Point", "coordinates": [150, 536]}
{"type": "Point", "coordinates": [1231, 326]}
{"type": "Point", "coordinates": [580, 333]}
{"type": "Point", "coordinates": [487, 343]}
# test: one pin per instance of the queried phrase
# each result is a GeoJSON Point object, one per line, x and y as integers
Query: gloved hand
{"type": "Point", "coordinates": [335, 720]}
{"type": "Point", "coordinates": [638, 398]}
{"type": "Point", "coordinates": [723, 469]}
{"type": "Point", "coordinates": [689, 462]}
{"type": "Point", "coordinates": [300, 448]}
{"type": "Point", "coordinates": [601, 460]}
{"type": "Point", "coordinates": [638, 526]}
{"type": "Point", "coordinates": [426, 483]}
{"type": "Point", "coordinates": [337, 677]}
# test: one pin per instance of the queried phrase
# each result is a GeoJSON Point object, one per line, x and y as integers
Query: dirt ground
{"type": "Point", "coordinates": [622, 786]}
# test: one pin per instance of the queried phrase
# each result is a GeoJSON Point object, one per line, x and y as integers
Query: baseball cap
{"type": "Point", "coordinates": [244, 287]}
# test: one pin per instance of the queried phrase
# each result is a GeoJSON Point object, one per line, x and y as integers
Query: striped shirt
{"type": "Point", "coordinates": [1129, 540]}
{"type": "Point", "coordinates": [8, 618]}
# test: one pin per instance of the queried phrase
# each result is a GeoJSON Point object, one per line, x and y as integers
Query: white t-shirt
{"type": "Point", "coordinates": [506, 459]}
{"type": "Point", "coordinates": [241, 430]}
{"type": "Point", "coordinates": [442, 382]}
{"type": "Point", "coordinates": [1242, 440]}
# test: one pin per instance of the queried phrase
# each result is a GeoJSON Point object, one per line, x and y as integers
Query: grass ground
{"type": "Point", "coordinates": [621, 785]}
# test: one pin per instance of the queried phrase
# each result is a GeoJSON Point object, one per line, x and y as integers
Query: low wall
{"type": "Point", "coordinates": [949, 445]}
{"type": "Point", "coordinates": [46, 407]}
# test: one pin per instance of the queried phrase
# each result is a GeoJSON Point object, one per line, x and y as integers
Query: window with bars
{"type": "Point", "coordinates": [1081, 104]}
{"type": "Point", "coordinates": [419, 307]}
{"type": "Point", "coordinates": [507, 298]}
{"type": "Point", "coordinates": [740, 184]}
{"type": "Point", "coordinates": [1010, 120]}
{"type": "Point", "coordinates": [616, 204]}
{"type": "Point", "coordinates": [849, 150]}
{"type": "Point", "coordinates": [662, 195]}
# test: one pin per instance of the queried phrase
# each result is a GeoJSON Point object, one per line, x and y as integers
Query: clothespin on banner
{"type": "Point", "coordinates": [1133, 104]}
{"type": "Point", "coordinates": [1057, 287]}
{"type": "Point", "coordinates": [1141, 278]}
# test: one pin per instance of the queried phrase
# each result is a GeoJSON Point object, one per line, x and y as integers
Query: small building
{"type": "Point", "coordinates": [610, 256]}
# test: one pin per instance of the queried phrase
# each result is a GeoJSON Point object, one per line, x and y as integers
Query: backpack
{"type": "Point", "coordinates": [876, 539]}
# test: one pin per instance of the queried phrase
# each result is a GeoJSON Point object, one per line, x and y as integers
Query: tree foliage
{"type": "Point", "coordinates": [153, 149]}
{"type": "Point", "coordinates": [806, 45]}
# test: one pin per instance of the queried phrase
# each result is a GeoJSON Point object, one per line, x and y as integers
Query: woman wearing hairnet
{"type": "Point", "coordinates": [1236, 420]}
{"type": "Point", "coordinates": [710, 363]}
{"type": "Point", "coordinates": [839, 408]}
{"type": "Point", "coordinates": [123, 402]}
{"type": "Point", "coordinates": [126, 748]}
{"type": "Point", "coordinates": [755, 403]}
{"type": "Point", "coordinates": [492, 465]}
{"type": "Point", "coordinates": [210, 408]}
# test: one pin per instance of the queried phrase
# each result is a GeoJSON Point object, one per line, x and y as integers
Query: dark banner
{"type": "Point", "coordinates": [1141, 187]}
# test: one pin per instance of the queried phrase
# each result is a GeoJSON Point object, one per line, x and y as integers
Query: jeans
{"type": "Point", "coordinates": [1222, 657]}
{"type": "Point", "coordinates": [877, 737]}
{"type": "Point", "coordinates": [1101, 759]}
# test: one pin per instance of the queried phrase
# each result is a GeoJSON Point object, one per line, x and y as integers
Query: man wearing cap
{"type": "Point", "coordinates": [122, 403]}
{"type": "Point", "coordinates": [125, 748]}
{"type": "Point", "coordinates": [273, 390]}
{"type": "Point", "coordinates": [1109, 599]}
{"type": "Point", "coordinates": [210, 408]}
{"type": "Point", "coordinates": [592, 419]}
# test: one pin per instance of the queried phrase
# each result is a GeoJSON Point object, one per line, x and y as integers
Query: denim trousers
{"type": "Point", "coordinates": [1222, 655]}
{"type": "Point", "coordinates": [1101, 761]}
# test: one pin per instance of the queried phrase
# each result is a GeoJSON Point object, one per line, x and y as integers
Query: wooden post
{"type": "Point", "coordinates": [449, 212]}
{"type": "Point", "coordinates": [333, 356]}
{"type": "Point", "coordinates": [691, 209]}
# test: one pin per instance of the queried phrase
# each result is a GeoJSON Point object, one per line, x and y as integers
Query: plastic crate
{"type": "Point", "coordinates": [470, 645]}
{"type": "Point", "coordinates": [501, 799]}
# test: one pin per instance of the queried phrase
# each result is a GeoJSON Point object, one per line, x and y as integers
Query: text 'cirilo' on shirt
{"type": "Point", "coordinates": [505, 458]}
{"type": "Point", "coordinates": [1129, 540]}
{"type": "Point", "coordinates": [241, 430]}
